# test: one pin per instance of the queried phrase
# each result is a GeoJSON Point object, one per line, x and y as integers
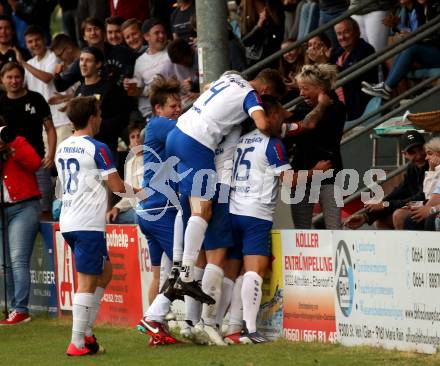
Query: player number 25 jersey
{"type": "Point", "coordinates": [258, 161]}
{"type": "Point", "coordinates": [82, 164]}
{"type": "Point", "coordinates": [227, 103]}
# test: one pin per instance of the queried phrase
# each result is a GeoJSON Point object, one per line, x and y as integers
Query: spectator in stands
{"type": "Point", "coordinates": [354, 49]}
{"type": "Point", "coordinates": [36, 12]}
{"type": "Point", "coordinates": [21, 208]}
{"type": "Point", "coordinates": [390, 212]}
{"type": "Point", "coordinates": [180, 20]}
{"type": "Point", "coordinates": [124, 211]}
{"type": "Point", "coordinates": [7, 41]}
{"type": "Point", "coordinates": [66, 50]}
{"type": "Point", "coordinates": [27, 113]}
{"type": "Point", "coordinates": [119, 60]}
{"type": "Point", "coordinates": [97, 9]}
{"type": "Point", "coordinates": [153, 62]}
{"type": "Point", "coordinates": [39, 73]}
{"type": "Point", "coordinates": [322, 117]}
{"type": "Point", "coordinates": [329, 10]}
{"type": "Point", "coordinates": [262, 28]}
{"type": "Point", "coordinates": [127, 9]}
{"type": "Point", "coordinates": [132, 33]}
{"type": "Point", "coordinates": [371, 21]}
{"type": "Point", "coordinates": [114, 101]}
{"type": "Point", "coordinates": [291, 64]}
{"type": "Point", "coordinates": [70, 26]}
{"type": "Point", "coordinates": [425, 53]}
{"type": "Point", "coordinates": [186, 66]}
{"type": "Point", "coordinates": [113, 30]}
{"type": "Point", "coordinates": [162, 10]}
{"type": "Point", "coordinates": [421, 215]}
{"type": "Point", "coordinates": [319, 49]}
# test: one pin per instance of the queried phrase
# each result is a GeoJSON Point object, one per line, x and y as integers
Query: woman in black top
{"type": "Point", "coordinates": [317, 137]}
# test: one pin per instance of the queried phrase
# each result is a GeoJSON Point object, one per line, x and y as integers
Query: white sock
{"type": "Point", "coordinates": [225, 300]}
{"type": "Point", "coordinates": [93, 312]}
{"type": "Point", "coordinates": [165, 269]}
{"type": "Point", "coordinates": [212, 285]}
{"type": "Point", "coordinates": [178, 238]}
{"type": "Point", "coordinates": [194, 235]}
{"type": "Point", "coordinates": [82, 305]}
{"type": "Point", "coordinates": [158, 309]}
{"type": "Point", "coordinates": [236, 309]}
{"type": "Point", "coordinates": [193, 308]}
{"type": "Point", "coordinates": [251, 297]}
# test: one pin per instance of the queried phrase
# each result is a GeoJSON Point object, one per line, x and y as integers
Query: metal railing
{"type": "Point", "coordinates": [261, 64]}
{"type": "Point", "coordinates": [379, 57]}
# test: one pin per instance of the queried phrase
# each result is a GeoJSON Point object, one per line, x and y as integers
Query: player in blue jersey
{"type": "Point", "coordinates": [199, 131]}
{"type": "Point", "coordinates": [260, 161]}
{"type": "Point", "coordinates": [157, 213]}
{"type": "Point", "coordinates": [83, 165]}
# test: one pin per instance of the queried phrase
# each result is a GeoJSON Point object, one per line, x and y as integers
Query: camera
{"type": "Point", "coordinates": [7, 134]}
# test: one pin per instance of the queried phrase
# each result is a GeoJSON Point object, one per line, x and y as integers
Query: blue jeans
{"type": "Point", "coordinates": [23, 223]}
{"type": "Point", "coordinates": [127, 217]}
{"type": "Point", "coordinates": [426, 55]}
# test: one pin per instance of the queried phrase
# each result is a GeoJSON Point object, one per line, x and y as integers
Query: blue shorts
{"type": "Point", "coordinates": [89, 249]}
{"type": "Point", "coordinates": [219, 232]}
{"type": "Point", "coordinates": [159, 235]}
{"type": "Point", "coordinates": [195, 160]}
{"type": "Point", "coordinates": [252, 236]}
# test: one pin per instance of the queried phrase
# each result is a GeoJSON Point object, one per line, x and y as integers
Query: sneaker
{"type": "Point", "coordinates": [156, 330]}
{"type": "Point", "coordinates": [233, 338]}
{"type": "Point", "coordinates": [16, 318]}
{"type": "Point", "coordinates": [92, 344]}
{"type": "Point", "coordinates": [251, 338]}
{"type": "Point", "coordinates": [72, 350]}
{"type": "Point", "coordinates": [170, 316]}
{"type": "Point", "coordinates": [187, 330]}
{"type": "Point", "coordinates": [214, 337]}
{"type": "Point", "coordinates": [194, 290]}
{"type": "Point", "coordinates": [380, 90]}
{"type": "Point", "coordinates": [168, 288]}
{"type": "Point", "coordinates": [200, 336]}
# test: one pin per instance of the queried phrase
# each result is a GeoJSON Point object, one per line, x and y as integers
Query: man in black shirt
{"type": "Point", "coordinates": [119, 60]}
{"type": "Point", "coordinates": [114, 101]}
{"type": "Point", "coordinates": [181, 20]}
{"type": "Point", "coordinates": [7, 33]}
{"type": "Point", "coordinates": [27, 112]}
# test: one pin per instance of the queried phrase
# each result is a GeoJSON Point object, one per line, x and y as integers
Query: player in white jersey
{"type": "Point", "coordinates": [229, 101]}
{"type": "Point", "coordinates": [259, 162]}
{"type": "Point", "coordinates": [83, 164]}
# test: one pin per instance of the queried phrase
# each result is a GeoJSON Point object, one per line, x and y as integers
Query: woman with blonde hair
{"type": "Point", "coordinates": [317, 135]}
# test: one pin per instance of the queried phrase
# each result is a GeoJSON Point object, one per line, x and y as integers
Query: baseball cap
{"type": "Point", "coordinates": [99, 56]}
{"type": "Point", "coordinates": [150, 23]}
{"type": "Point", "coordinates": [411, 139]}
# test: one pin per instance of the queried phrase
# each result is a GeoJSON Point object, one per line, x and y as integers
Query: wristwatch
{"type": "Point", "coordinates": [434, 209]}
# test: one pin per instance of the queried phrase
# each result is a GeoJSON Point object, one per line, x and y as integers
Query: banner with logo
{"type": "Point", "coordinates": [122, 301]}
{"type": "Point", "coordinates": [387, 289]}
{"type": "Point", "coordinates": [43, 292]}
{"type": "Point", "coordinates": [270, 316]}
{"type": "Point", "coordinates": [64, 271]}
{"type": "Point", "coordinates": [309, 299]}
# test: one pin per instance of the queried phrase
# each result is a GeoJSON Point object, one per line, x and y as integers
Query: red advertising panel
{"type": "Point", "coordinates": [309, 300]}
{"type": "Point", "coordinates": [122, 301]}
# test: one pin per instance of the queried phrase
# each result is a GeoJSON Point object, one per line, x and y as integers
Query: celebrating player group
{"type": "Point", "coordinates": [206, 206]}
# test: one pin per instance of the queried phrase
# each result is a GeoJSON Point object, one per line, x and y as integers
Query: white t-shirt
{"type": "Point", "coordinates": [82, 164]}
{"type": "Point", "coordinates": [146, 67]}
{"type": "Point", "coordinates": [47, 64]}
{"type": "Point", "coordinates": [258, 161]}
{"type": "Point", "coordinates": [228, 102]}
